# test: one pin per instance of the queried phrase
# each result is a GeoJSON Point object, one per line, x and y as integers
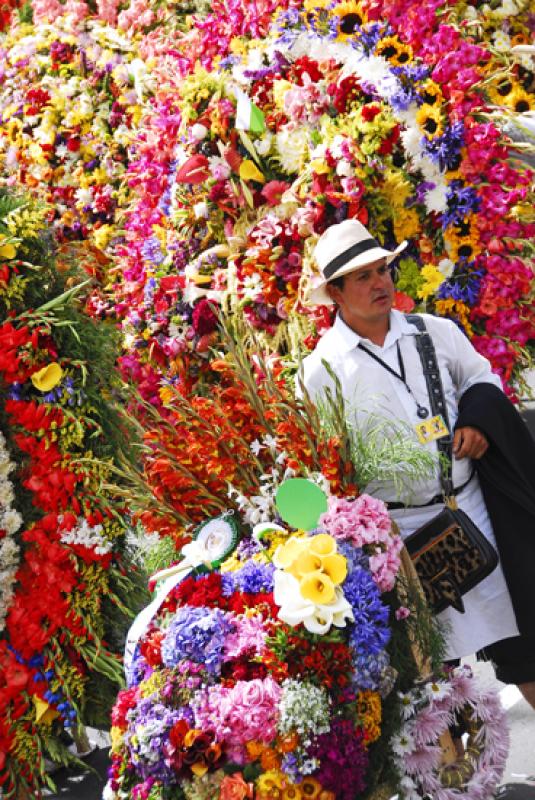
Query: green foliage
{"type": "Point", "coordinates": [380, 449]}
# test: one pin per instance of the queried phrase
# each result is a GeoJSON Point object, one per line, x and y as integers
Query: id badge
{"type": "Point", "coordinates": [431, 429]}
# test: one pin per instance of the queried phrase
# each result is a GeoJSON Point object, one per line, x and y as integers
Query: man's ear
{"type": "Point", "coordinates": [334, 293]}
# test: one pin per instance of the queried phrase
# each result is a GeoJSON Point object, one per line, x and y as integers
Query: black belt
{"type": "Point", "coordinates": [438, 498]}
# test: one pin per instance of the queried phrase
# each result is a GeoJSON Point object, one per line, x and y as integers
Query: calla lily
{"type": "Point", "coordinates": [46, 378]}
{"type": "Point", "coordinates": [294, 609]}
{"type": "Point", "coordinates": [286, 553]}
{"type": "Point", "coordinates": [322, 544]}
{"type": "Point", "coordinates": [250, 172]}
{"type": "Point", "coordinates": [305, 563]}
{"type": "Point", "coordinates": [335, 567]}
{"type": "Point", "coordinates": [317, 588]}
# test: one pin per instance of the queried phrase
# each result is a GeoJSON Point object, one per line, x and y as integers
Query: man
{"type": "Point", "coordinates": [371, 349]}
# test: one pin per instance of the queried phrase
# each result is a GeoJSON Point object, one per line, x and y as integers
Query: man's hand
{"type": "Point", "coordinates": [469, 443]}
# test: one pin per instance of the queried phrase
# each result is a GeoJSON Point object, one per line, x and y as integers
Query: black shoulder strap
{"type": "Point", "coordinates": [435, 390]}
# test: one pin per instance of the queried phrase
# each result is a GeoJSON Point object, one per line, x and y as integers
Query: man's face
{"type": "Point", "coordinates": [367, 294]}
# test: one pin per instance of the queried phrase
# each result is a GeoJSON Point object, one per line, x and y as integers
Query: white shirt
{"type": "Point", "coordinates": [368, 388]}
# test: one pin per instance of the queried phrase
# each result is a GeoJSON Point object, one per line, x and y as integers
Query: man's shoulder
{"type": "Point", "coordinates": [432, 323]}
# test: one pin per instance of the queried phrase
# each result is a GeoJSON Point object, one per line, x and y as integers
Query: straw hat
{"type": "Point", "coordinates": [344, 248]}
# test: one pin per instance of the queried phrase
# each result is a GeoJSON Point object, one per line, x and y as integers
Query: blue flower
{"type": "Point", "coordinates": [370, 632]}
{"type": "Point", "coordinates": [197, 634]}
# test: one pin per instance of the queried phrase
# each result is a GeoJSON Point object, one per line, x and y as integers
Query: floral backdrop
{"type": "Point", "coordinates": [189, 156]}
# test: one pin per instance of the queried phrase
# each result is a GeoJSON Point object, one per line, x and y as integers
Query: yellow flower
{"type": "Point", "coordinates": [46, 378]}
{"type": "Point", "coordinates": [433, 279]}
{"type": "Point", "coordinates": [431, 93]}
{"type": "Point", "coordinates": [351, 17]}
{"type": "Point", "coordinates": [116, 735]}
{"type": "Point", "coordinates": [395, 188]}
{"type": "Point", "coordinates": [8, 250]}
{"type": "Point", "coordinates": [279, 92]}
{"type": "Point", "coordinates": [44, 713]}
{"type": "Point", "coordinates": [305, 563]}
{"type": "Point", "coordinates": [273, 779]}
{"type": "Point", "coordinates": [456, 309]}
{"type": "Point", "coordinates": [406, 224]}
{"type": "Point", "coordinates": [335, 567]}
{"type": "Point", "coordinates": [520, 100]}
{"type": "Point", "coordinates": [322, 544]}
{"type": "Point", "coordinates": [310, 788]}
{"type": "Point", "coordinates": [394, 50]}
{"type": "Point", "coordinates": [250, 172]}
{"type": "Point", "coordinates": [292, 792]}
{"type": "Point", "coordinates": [317, 587]}
{"type": "Point", "coordinates": [286, 553]}
{"type": "Point", "coordinates": [429, 118]}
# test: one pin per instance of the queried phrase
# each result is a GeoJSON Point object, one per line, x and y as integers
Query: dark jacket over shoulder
{"type": "Point", "coordinates": [507, 476]}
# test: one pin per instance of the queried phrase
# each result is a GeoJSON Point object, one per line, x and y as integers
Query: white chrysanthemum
{"type": "Point", "coordinates": [292, 148]}
{"type": "Point", "coordinates": [411, 138]}
{"type": "Point", "coordinates": [446, 267]}
{"type": "Point", "coordinates": [436, 199]}
{"type": "Point", "coordinates": [10, 521]}
{"type": "Point", "coordinates": [6, 494]}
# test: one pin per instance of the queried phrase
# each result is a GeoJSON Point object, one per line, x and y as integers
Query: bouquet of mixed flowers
{"type": "Point", "coordinates": [63, 588]}
{"type": "Point", "coordinates": [263, 670]}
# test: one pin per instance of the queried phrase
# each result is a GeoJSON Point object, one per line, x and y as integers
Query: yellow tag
{"type": "Point", "coordinates": [431, 429]}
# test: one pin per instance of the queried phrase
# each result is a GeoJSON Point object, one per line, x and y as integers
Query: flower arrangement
{"type": "Point", "coordinates": [428, 709]}
{"type": "Point", "coordinates": [241, 679]}
{"type": "Point", "coordinates": [64, 594]}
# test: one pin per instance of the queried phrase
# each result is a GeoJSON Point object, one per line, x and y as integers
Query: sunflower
{"type": "Point", "coordinates": [431, 93]}
{"type": "Point", "coordinates": [317, 15]}
{"type": "Point", "coordinates": [430, 121]}
{"type": "Point", "coordinates": [500, 90]}
{"type": "Point", "coordinates": [349, 17]}
{"type": "Point", "coordinates": [520, 100]}
{"type": "Point", "coordinates": [462, 247]}
{"type": "Point", "coordinates": [394, 51]}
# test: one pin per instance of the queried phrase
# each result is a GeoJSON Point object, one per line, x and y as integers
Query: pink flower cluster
{"type": "Point", "coordinates": [365, 523]}
{"type": "Point", "coordinates": [246, 712]}
{"type": "Point", "coordinates": [249, 637]}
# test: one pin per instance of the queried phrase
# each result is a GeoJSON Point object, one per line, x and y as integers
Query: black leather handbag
{"type": "Point", "coordinates": [449, 552]}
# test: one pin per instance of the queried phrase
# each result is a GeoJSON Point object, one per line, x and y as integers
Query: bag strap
{"type": "Point", "coordinates": [437, 401]}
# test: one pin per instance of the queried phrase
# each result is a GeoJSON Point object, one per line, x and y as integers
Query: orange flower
{"type": "Point", "coordinates": [233, 787]}
{"type": "Point", "coordinates": [270, 759]}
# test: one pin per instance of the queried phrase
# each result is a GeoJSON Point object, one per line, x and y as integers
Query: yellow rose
{"type": "Point", "coordinates": [317, 587]}
{"type": "Point", "coordinates": [45, 379]}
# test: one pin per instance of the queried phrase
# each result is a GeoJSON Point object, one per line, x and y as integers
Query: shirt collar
{"type": "Point", "coordinates": [348, 339]}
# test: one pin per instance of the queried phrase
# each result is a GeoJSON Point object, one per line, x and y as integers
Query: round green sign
{"type": "Point", "coordinates": [300, 503]}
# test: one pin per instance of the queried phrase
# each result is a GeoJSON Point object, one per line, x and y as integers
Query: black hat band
{"type": "Point", "coordinates": [345, 257]}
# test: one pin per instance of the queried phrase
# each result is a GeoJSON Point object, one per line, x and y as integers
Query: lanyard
{"type": "Point", "coordinates": [422, 411]}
